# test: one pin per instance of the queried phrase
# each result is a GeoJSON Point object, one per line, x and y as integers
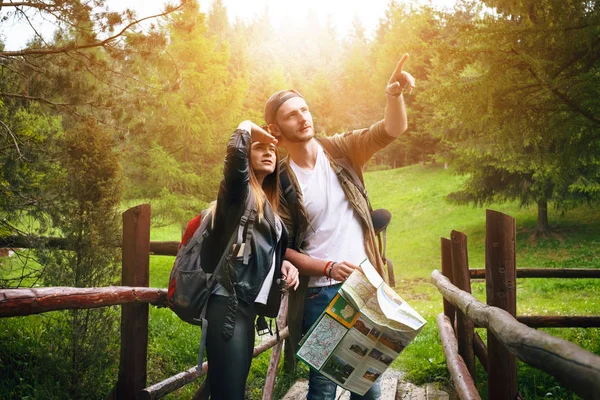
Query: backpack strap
{"type": "Point", "coordinates": [341, 164]}
{"type": "Point", "coordinates": [246, 223]}
{"type": "Point", "coordinates": [289, 194]}
{"type": "Point", "coordinates": [247, 235]}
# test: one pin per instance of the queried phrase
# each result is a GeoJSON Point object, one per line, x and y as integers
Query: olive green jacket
{"type": "Point", "coordinates": [348, 154]}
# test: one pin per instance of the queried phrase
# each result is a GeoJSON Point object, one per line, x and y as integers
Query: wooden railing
{"type": "Point", "coordinates": [508, 335]}
{"type": "Point", "coordinates": [134, 297]}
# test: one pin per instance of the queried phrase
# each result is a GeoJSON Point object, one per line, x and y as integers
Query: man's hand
{"type": "Point", "coordinates": [400, 80]}
{"type": "Point", "coordinates": [342, 270]}
{"type": "Point", "coordinates": [290, 274]}
{"type": "Point", "coordinates": [257, 133]}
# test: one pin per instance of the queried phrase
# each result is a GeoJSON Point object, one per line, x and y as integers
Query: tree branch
{"type": "Point", "coordinates": [106, 68]}
{"type": "Point", "coordinates": [42, 99]}
{"type": "Point", "coordinates": [31, 25]}
{"type": "Point", "coordinates": [14, 138]}
{"type": "Point", "coordinates": [71, 47]}
{"type": "Point", "coordinates": [39, 6]}
{"type": "Point", "coordinates": [554, 90]}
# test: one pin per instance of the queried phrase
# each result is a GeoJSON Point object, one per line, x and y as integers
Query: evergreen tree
{"type": "Point", "coordinates": [177, 134]}
{"type": "Point", "coordinates": [413, 30]}
{"type": "Point", "coordinates": [524, 104]}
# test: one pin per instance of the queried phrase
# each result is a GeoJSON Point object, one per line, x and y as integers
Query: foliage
{"type": "Point", "coordinates": [506, 91]}
{"type": "Point", "coordinates": [61, 176]}
{"type": "Point", "coordinates": [521, 112]}
{"type": "Point", "coordinates": [85, 213]}
{"type": "Point", "coordinates": [414, 31]}
{"type": "Point", "coordinates": [421, 215]}
{"type": "Point", "coordinates": [177, 134]}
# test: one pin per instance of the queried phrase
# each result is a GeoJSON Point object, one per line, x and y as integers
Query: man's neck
{"type": "Point", "coordinates": [304, 154]}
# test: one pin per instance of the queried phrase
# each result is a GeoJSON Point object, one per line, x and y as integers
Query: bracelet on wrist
{"type": "Point", "coordinates": [330, 270]}
{"type": "Point", "coordinates": [325, 270]}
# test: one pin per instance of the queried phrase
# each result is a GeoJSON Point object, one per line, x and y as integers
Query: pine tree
{"type": "Point", "coordinates": [522, 109]}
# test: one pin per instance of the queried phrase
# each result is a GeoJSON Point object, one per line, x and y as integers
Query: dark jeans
{"type": "Point", "coordinates": [229, 361]}
{"type": "Point", "coordinates": [319, 387]}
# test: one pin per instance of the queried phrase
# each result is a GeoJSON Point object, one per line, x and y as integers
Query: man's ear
{"type": "Point", "coordinates": [274, 130]}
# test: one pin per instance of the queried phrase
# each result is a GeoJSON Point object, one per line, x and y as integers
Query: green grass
{"type": "Point", "coordinates": [421, 216]}
{"type": "Point", "coordinates": [416, 197]}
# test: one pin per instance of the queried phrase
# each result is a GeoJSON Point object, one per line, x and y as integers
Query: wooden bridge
{"type": "Point", "coordinates": [507, 336]}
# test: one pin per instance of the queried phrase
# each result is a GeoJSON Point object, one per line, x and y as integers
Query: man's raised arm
{"type": "Point", "coordinates": [395, 112]}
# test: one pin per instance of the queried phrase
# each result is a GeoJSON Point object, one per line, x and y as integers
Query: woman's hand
{"type": "Point", "coordinates": [290, 274]}
{"type": "Point", "coordinates": [257, 133]}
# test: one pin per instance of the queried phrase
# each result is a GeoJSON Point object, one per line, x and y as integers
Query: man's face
{"type": "Point", "coordinates": [263, 159]}
{"type": "Point", "coordinates": [293, 122]}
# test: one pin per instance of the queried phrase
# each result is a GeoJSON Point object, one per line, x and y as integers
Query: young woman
{"type": "Point", "coordinates": [249, 287]}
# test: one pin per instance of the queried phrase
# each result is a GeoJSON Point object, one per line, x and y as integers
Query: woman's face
{"type": "Point", "coordinates": [263, 158]}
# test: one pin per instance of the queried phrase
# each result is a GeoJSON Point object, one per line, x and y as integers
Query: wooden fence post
{"type": "Point", "coordinates": [134, 317]}
{"type": "Point", "coordinates": [465, 327]}
{"type": "Point", "coordinates": [500, 273]}
{"type": "Point", "coordinates": [446, 245]}
{"type": "Point", "coordinates": [281, 322]}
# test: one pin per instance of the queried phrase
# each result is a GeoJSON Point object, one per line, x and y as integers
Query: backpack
{"type": "Point", "coordinates": [190, 286]}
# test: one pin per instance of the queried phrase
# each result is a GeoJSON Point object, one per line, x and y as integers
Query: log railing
{"type": "Point", "coordinates": [508, 336]}
{"type": "Point", "coordinates": [134, 298]}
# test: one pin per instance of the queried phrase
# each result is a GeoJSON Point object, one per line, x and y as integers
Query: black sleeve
{"type": "Point", "coordinates": [231, 198]}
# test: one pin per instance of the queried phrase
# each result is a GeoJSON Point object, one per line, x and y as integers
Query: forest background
{"type": "Point", "coordinates": [108, 113]}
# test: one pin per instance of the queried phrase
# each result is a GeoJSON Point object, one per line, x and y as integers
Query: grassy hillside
{"type": "Point", "coordinates": [416, 197]}
{"type": "Point", "coordinates": [420, 216]}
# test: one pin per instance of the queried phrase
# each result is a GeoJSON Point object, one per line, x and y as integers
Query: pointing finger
{"type": "Point", "coordinates": [399, 67]}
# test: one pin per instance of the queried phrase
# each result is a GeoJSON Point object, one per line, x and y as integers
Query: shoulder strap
{"type": "Point", "coordinates": [246, 221]}
{"type": "Point", "coordinates": [288, 191]}
{"type": "Point", "coordinates": [342, 164]}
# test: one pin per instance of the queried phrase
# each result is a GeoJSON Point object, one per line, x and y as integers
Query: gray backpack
{"type": "Point", "coordinates": [189, 285]}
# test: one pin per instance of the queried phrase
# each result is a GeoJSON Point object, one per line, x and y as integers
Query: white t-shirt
{"type": "Point", "coordinates": [263, 294]}
{"type": "Point", "coordinates": [336, 233]}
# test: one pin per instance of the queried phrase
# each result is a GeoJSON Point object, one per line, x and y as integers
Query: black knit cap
{"type": "Point", "coordinates": [277, 101]}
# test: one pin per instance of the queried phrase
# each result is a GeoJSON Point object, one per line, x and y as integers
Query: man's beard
{"type": "Point", "coordinates": [298, 139]}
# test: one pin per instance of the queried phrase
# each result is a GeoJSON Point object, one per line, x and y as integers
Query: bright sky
{"type": "Point", "coordinates": [282, 12]}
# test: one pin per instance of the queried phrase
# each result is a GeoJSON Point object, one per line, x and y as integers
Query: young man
{"type": "Point", "coordinates": [330, 227]}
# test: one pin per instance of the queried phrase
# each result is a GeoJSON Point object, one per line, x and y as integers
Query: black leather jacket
{"type": "Point", "coordinates": [231, 202]}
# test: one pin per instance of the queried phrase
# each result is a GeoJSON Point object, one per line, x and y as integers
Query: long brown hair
{"type": "Point", "coordinates": [268, 192]}
{"type": "Point", "coordinates": [270, 187]}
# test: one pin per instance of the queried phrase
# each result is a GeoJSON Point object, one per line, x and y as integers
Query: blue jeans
{"type": "Point", "coordinates": [319, 387]}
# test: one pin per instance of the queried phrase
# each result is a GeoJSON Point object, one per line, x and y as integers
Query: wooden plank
{"type": "Point", "coordinates": [276, 353]}
{"type": "Point", "coordinates": [500, 270]}
{"type": "Point", "coordinates": [161, 389]}
{"type": "Point", "coordinates": [134, 317]}
{"type": "Point", "coordinates": [161, 248]}
{"type": "Point", "coordinates": [164, 248]}
{"type": "Point", "coordinates": [560, 321]}
{"type": "Point", "coordinates": [19, 302]}
{"type": "Point", "coordinates": [576, 368]}
{"type": "Point", "coordinates": [545, 273]}
{"type": "Point", "coordinates": [169, 385]}
{"type": "Point", "coordinates": [465, 328]}
{"type": "Point", "coordinates": [480, 351]}
{"type": "Point", "coordinates": [446, 248]}
{"type": "Point", "coordinates": [267, 344]}
{"type": "Point", "coordinates": [461, 376]}
{"type": "Point", "coordinates": [31, 242]}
